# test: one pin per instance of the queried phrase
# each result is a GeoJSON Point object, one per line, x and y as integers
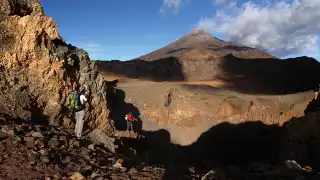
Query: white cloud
{"type": "Point", "coordinates": [93, 45]}
{"type": "Point", "coordinates": [171, 5]}
{"type": "Point", "coordinates": [280, 28]}
{"type": "Point", "coordinates": [93, 48]}
{"type": "Point", "coordinates": [225, 2]}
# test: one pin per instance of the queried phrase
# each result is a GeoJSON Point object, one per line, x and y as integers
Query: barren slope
{"type": "Point", "coordinates": [202, 41]}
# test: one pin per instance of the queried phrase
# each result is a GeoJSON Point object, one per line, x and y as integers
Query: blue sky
{"type": "Point", "coordinates": [125, 29]}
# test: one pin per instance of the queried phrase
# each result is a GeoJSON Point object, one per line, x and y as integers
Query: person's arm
{"type": "Point", "coordinates": [84, 98]}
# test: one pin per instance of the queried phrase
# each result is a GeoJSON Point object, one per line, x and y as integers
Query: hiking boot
{"type": "Point", "coordinates": [80, 138]}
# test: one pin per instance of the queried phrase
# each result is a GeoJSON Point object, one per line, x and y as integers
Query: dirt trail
{"type": "Point", "coordinates": [128, 81]}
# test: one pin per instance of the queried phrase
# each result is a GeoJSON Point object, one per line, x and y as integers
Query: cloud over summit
{"type": "Point", "coordinates": [282, 28]}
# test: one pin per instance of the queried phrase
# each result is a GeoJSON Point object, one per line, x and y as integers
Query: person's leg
{"type": "Point", "coordinates": [128, 125]}
{"type": "Point", "coordinates": [81, 122]}
{"type": "Point", "coordinates": [77, 123]}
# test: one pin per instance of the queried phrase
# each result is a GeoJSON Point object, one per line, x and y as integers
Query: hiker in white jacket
{"type": "Point", "coordinates": [80, 112]}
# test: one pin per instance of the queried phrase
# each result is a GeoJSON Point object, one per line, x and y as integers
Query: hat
{"type": "Point", "coordinates": [81, 89]}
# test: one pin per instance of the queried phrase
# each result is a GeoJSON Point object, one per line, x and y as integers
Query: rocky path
{"type": "Point", "coordinates": [43, 152]}
{"type": "Point", "coordinates": [55, 155]}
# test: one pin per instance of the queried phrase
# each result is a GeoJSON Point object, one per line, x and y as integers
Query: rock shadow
{"type": "Point", "coordinates": [222, 145]}
{"type": "Point", "coordinates": [166, 69]}
{"type": "Point", "coordinates": [270, 76]}
{"type": "Point", "coordinates": [119, 108]}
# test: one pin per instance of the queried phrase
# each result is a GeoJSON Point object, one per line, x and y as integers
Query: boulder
{"type": "Point", "coordinates": [99, 137]}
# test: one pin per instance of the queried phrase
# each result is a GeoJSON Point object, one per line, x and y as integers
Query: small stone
{"type": "Point", "coordinates": [120, 161]}
{"type": "Point", "coordinates": [32, 159]}
{"type": "Point", "coordinates": [133, 171]}
{"type": "Point", "coordinates": [28, 142]}
{"type": "Point", "coordinates": [292, 164]}
{"type": "Point", "coordinates": [95, 174]}
{"type": "Point", "coordinates": [39, 143]}
{"type": "Point", "coordinates": [57, 176]}
{"type": "Point", "coordinates": [5, 129]}
{"type": "Point", "coordinates": [91, 146]}
{"type": "Point", "coordinates": [45, 159]}
{"type": "Point", "coordinates": [117, 165]}
{"type": "Point", "coordinates": [36, 134]}
{"type": "Point", "coordinates": [63, 140]}
{"type": "Point", "coordinates": [74, 143]}
{"type": "Point", "coordinates": [66, 160]}
{"type": "Point", "coordinates": [209, 175]}
{"type": "Point", "coordinates": [87, 168]}
{"type": "Point", "coordinates": [124, 169]}
{"type": "Point", "coordinates": [42, 152]}
{"type": "Point", "coordinates": [53, 142]}
{"type": "Point", "coordinates": [10, 132]}
{"type": "Point", "coordinates": [100, 178]}
{"type": "Point", "coordinates": [19, 139]}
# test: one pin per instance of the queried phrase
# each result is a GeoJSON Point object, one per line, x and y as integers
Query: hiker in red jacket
{"type": "Point", "coordinates": [130, 119]}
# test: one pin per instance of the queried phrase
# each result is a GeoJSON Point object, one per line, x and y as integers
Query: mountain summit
{"type": "Point", "coordinates": [205, 43]}
{"type": "Point", "coordinates": [199, 34]}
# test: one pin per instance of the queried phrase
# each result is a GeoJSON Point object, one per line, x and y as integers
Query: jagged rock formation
{"type": "Point", "coordinates": [32, 85]}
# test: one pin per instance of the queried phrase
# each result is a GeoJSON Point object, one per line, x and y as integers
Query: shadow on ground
{"type": "Point", "coordinates": [119, 108]}
{"type": "Point", "coordinates": [222, 145]}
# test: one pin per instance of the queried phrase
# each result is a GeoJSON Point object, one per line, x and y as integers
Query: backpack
{"type": "Point", "coordinates": [75, 102]}
{"type": "Point", "coordinates": [129, 117]}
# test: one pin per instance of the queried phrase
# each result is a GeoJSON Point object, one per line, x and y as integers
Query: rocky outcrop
{"type": "Point", "coordinates": [32, 84]}
{"type": "Point", "coordinates": [302, 139]}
